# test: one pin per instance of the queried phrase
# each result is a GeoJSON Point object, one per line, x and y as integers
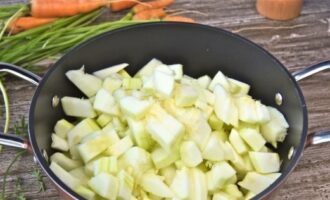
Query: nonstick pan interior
{"type": "Point", "coordinates": [201, 49]}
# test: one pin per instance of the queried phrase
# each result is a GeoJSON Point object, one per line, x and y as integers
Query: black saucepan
{"type": "Point", "coordinates": [202, 50]}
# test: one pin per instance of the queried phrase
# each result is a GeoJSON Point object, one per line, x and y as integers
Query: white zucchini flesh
{"type": "Point", "coordinates": [65, 162]}
{"type": "Point", "coordinates": [219, 79]}
{"type": "Point", "coordinates": [181, 184]}
{"type": "Point", "coordinates": [164, 129]}
{"type": "Point", "coordinates": [237, 142]}
{"type": "Point", "coordinates": [213, 150]}
{"type": "Point", "coordinates": [69, 180]}
{"type": "Point", "coordinates": [86, 83]}
{"type": "Point", "coordinates": [198, 186]}
{"type": "Point", "coordinates": [105, 185]}
{"type": "Point", "coordinates": [225, 107]}
{"type": "Point", "coordinates": [76, 107]}
{"type": "Point", "coordinates": [253, 138]}
{"type": "Point", "coordinates": [190, 154]}
{"type": "Point", "coordinates": [163, 83]}
{"type": "Point", "coordinates": [62, 127]}
{"type": "Point", "coordinates": [265, 162]}
{"type": "Point", "coordinates": [105, 102]}
{"type": "Point", "coordinates": [103, 73]}
{"type": "Point", "coordinates": [155, 185]}
{"type": "Point", "coordinates": [166, 135]}
{"type": "Point", "coordinates": [256, 182]}
{"type": "Point", "coordinates": [161, 158]}
{"type": "Point", "coordinates": [219, 175]}
{"type": "Point", "coordinates": [134, 107]}
{"type": "Point", "coordinates": [59, 143]}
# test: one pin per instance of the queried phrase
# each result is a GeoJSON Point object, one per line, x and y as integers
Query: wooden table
{"type": "Point", "coordinates": [297, 44]}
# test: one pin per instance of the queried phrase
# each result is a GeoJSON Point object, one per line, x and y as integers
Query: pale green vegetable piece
{"type": "Point", "coordinates": [222, 196]}
{"type": "Point", "coordinates": [256, 182]}
{"type": "Point", "coordinates": [105, 185]}
{"type": "Point", "coordinates": [275, 130]}
{"type": "Point", "coordinates": [204, 81]}
{"type": "Point", "coordinates": [76, 107]}
{"type": "Point", "coordinates": [136, 159]}
{"type": "Point", "coordinates": [198, 185]}
{"type": "Point", "coordinates": [220, 79]}
{"type": "Point", "coordinates": [139, 134]}
{"type": "Point", "coordinates": [86, 83]}
{"type": "Point", "coordinates": [126, 185]}
{"type": "Point", "coordinates": [165, 69]}
{"type": "Point", "coordinates": [249, 195]}
{"type": "Point", "coordinates": [168, 173]}
{"type": "Point", "coordinates": [181, 184]}
{"type": "Point", "coordinates": [148, 85]}
{"type": "Point", "coordinates": [164, 129]}
{"type": "Point", "coordinates": [93, 147]}
{"type": "Point", "coordinates": [237, 142]}
{"type": "Point", "coordinates": [65, 162]}
{"type": "Point", "coordinates": [225, 107]}
{"type": "Point", "coordinates": [124, 74]}
{"type": "Point", "coordinates": [64, 176]}
{"type": "Point", "coordinates": [80, 174]}
{"type": "Point", "coordinates": [161, 158]}
{"type": "Point", "coordinates": [185, 95]}
{"type": "Point", "coordinates": [265, 162]}
{"type": "Point", "coordinates": [220, 173]}
{"type": "Point", "coordinates": [112, 83]}
{"type": "Point", "coordinates": [62, 127]}
{"type": "Point", "coordinates": [253, 138]}
{"type": "Point", "coordinates": [119, 94]}
{"type": "Point", "coordinates": [148, 69]}
{"type": "Point", "coordinates": [238, 88]}
{"type": "Point", "coordinates": [103, 73]}
{"type": "Point", "coordinates": [103, 119]}
{"type": "Point", "coordinates": [215, 122]}
{"type": "Point", "coordinates": [233, 190]}
{"type": "Point", "coordinates": [163, 83]}
{"type": "Point", "coordinates": [190, 154]}
{"type": "Point", "coordinates": [213, 150]}
{"type": "Point", "coordinates": [105, 102]}
{"type": "Point", "coordinates": [59, 143]}
{"type": "Point", "coordinates": [120, 147]}
{"type": "Point", "coordinates": [237, 161]}
{"type": "Point", "coordinates": [132, 83]}
{"type": "Point", "coordinates": [105, 164]}
{"type": "Point", "coordinates": [177, 70]}
{"type": "Point", "coordinates": [85, 192]}
{"type": "Point", "coordinates": [134, 107]}
{"type": "Point", "coordinates": [154, 184]}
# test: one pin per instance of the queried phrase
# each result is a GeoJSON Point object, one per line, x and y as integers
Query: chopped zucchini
{"type": "Point", "coordinates": [76, 107]}
{"type": "Point", "coordinates": [103, 73]}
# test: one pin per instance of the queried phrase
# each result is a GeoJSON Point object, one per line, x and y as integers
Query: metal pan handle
{"type": "Point", "coordinates": [10, 139]}
{"type": "Point", "coordinates": [323, 136]}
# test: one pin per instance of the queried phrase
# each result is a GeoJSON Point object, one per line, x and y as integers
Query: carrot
{"type": "Point", "coordinates": [150, 14]}
{"type": "Point", "coordinates": [119, 5]}
{"type": "Point", "coordinates": [26, 23]}
{"type": "Point", "coordinates": [64, 8]}
{"type": "Point", "coordinates": [177, 18]}
{"type": "Point", "coordinates": [152, 5]}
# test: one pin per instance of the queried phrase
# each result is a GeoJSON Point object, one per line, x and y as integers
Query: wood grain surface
{"type": "Point", "coordinates": [297, 44]}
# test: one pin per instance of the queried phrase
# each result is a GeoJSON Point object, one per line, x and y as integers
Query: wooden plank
{"type": "Point", "coordinates": [297, 43]}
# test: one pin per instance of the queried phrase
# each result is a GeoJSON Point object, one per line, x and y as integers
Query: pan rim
{"type": "Point", "coordinates": [294, 160]}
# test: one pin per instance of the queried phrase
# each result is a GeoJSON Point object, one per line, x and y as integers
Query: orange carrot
{"type": "Point", "coordinates": [119, 5]}
{"type": "Point", "coordinates": [64, 8]}
{"type": "Point", "coordinates": [177, 18]}
{"type": "Point", "coordinates": [152, 5]}
{"type": "Point", "coordinates": [26, 23]}
{"type": "Point", "coordinates": [150, 14]}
